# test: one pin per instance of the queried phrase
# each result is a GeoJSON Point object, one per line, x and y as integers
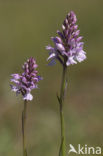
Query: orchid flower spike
{"type": "Point", "coordinates": [27, 81]}
{"type": "Point", "coordinates": [67, 45]}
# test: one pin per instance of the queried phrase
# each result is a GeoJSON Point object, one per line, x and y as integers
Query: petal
{"type": "Point", "coordinates": [14, 88]}
{"type": "Point", "coordinates": [15, 81]}
{"type": "Point", "coordinates": [24, 80]}
{"type": "Point", "coordinates": [16, 76]}
{"type": "Point", "coordinates": [60, 47]}
{"type": "Point", "coordinates": [70, 61]}
{"type": "Point", "coordinates": [49, 48]}
{"type": "Point", "coordinates": [80, 44]}
{"type": "Point", "coordinates": [28, 97]}
{"type": "Point", "coordinates": [56, 39]}
{"type": "Point", "coordinates": [52, 55]}
{"type": "Point", "coordinates": [81, 56]}
{"type": "Point", "coordinates": [65, 53]}
{"type": "Point", "coordinates": [35, 66]}
{"type": "Point", "coordinates": [79, 39]}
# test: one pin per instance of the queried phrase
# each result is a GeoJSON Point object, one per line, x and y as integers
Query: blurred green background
{"type": "Point", "coordinates": [25, 30]}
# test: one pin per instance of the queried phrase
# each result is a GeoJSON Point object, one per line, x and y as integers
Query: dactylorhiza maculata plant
{"type": "Point", "coordinates": [23, 84]}
{"type": "Point", "coordinates": [68, 50]}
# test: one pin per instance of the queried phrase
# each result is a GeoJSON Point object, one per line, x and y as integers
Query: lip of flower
{"type": "Point", "coordinates": [70, 61]}
{"type": "Point", "coordinates": [14, 88]}
{"type": "Point", "coordinates": [81, 56]}
{"type": "Point", "coordinates": [28, 97]}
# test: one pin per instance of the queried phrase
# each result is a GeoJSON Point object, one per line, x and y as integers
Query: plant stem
{"type": "Point", "coordinates": [62, 151]}
{"type": "Point", "coordinates": [24, 114]}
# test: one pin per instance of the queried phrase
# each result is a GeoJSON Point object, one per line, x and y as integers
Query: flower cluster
{"type": "Point", "coordinates": [68, 48]}
{"type": "Point", "coordinates": [27, 81]}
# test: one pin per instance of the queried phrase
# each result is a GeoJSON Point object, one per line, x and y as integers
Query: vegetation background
{"type": "Point", "coordinates": [25, 30]}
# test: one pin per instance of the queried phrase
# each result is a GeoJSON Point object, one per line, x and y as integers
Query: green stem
{"type": "Point", "coordinates": [61, 100]}
{"type": "Point", "coordinates": [24, 114]}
